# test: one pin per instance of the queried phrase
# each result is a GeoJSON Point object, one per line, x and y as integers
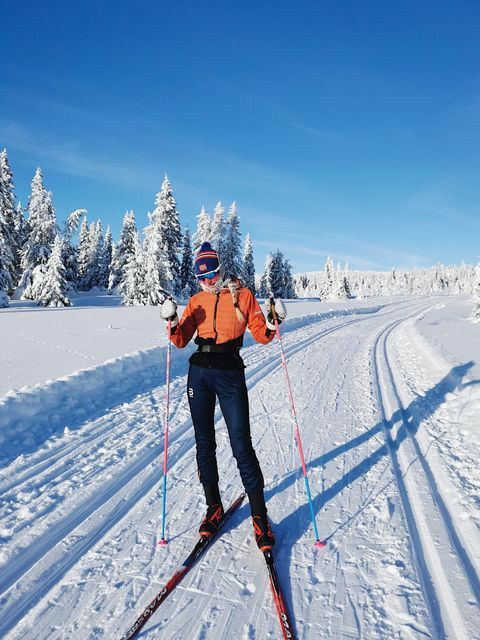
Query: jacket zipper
{"type": "Point", "coordinates": [215, 317]}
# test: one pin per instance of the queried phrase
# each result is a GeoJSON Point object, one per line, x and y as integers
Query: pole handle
{"type": "Point", "coordinates": [272, 309]}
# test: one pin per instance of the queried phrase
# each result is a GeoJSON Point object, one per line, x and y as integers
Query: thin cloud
{"type": "Point", "coordinates": [389, 254]}
{"type": "Point", "coordinates": [344, 249]}
{"type": "Point", "coordinates": [436, 200]}
{"type": "Point", "coordinates": [358, 262]}
{"type": "Point", "coordinates": [325, 135]}
{"type": "Point", "coordinates": [274, 113]}
{"type": "Point", "coordinates": [68, 158]}
{"type": "Point", "coordinates": [471, 108]}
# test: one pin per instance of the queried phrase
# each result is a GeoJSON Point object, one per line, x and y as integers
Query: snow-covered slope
{"type": "Point", "coordinates": [389, 425]}
{"type": "Point", "coordinates": [40, 344]}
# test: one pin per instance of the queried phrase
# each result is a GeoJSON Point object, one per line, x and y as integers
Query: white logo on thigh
{"type": "Point", "coordinates": [190, 392]}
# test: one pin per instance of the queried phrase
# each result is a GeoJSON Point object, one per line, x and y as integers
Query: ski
{"type": "Point", "coordinates": [180, 573]}
{"type": "Point", "coordinates": [283, 617]}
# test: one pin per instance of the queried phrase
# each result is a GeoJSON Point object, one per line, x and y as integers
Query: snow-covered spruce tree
{"type": "Point", "coordinates": [265, 287]}
{"type": "Point", "coordinates": [248, 265]}
{"type": "Point", "coordinates": [166, 224]}
{"type": "Point", "coordinates": [465, 278]}
{"type": "Point", "coordinates": [341, 289]}
{"type": "Point", "coordinates": [10, 230]}
{"type": "Point", "coordinates": [218, 228]}
{"type": "Point", "coordinates": [6, 282]}
{"type": "Point", "coordinates": [204, 229]}
{"type": "Point", "coordinates": [288, 283]}
{"type": "Point", "coordinates": [156, 273]}
{"type": "Point", "coordinates": [105, 260]}
{"type": "Point", "coordinates": [42, 229]}
{"type": "Point", "coordinates": [83, 253]}
{"type": "Point", "coordinates": [361, 288]}
{"type": "Point", "coordinates": [346, 281]}
{"type": "Point", "coordinates": [330, 280]}
{"type": "Point", "coordinates": [21, 231]}
{"type": "Point", "coordinates": [122, 250]}
{"type": "Point", "coordinates": [54, 288]}
{"type": "Point", "coordinates": [300, 282]}
{"type": "Point", "coordinates": [157, 277]}
{"type": "Point", "coordinates": [69, 251]}
{"type": "Point", "coordinates": [6, 263]}
{"type": "Point", "coordinates": [187, 271]}
{"type": "Point", "coordinates": [6, 259]}
{"type": "Point", "coordinates": [88, 280]}
{"type": "Point", "coordinates": [95, 266]}
{"type": "Point", "coordinates": [133, 285]}
{"type": "Point", "coordinates": [231, 258]}
{"type": "Point", "coordinates": [90, 249]}
{"type": "Point", "coordinates": [277, 275]}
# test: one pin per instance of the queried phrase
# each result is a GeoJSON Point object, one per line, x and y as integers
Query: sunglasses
{"type": "Point", "coordinates": [209, 275]}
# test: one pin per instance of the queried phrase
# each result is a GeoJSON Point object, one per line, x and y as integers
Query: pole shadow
{"type": "Point", "coordinates": [298, 523]}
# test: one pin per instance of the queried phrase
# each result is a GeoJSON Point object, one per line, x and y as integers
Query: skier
{"type": "Point", "coordinates": [219, 314]}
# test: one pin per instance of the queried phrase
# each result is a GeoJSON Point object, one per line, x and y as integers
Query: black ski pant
{"type": "Point", "coordinates": [204, 386]}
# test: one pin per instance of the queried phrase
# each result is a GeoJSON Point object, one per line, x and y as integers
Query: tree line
{"type": "Point", "coordinates": [41, 261]}
{"type": "Point", "coordinates": [339, 283]}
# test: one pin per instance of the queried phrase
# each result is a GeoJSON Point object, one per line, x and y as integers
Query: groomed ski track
{"type": "Point", "coordinates": [81, 514]}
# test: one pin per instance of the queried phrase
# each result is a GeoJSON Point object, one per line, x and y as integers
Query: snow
{"type": "Point", "coordinates": [388, 399]}
{"type": "Point", "coordinates": [449, 329]}
{"type": "Point", "coordinates": [44, 344]}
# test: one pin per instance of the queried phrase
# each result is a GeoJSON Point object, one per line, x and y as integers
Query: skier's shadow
{"type": "Point", "coordinates": [295, 525]}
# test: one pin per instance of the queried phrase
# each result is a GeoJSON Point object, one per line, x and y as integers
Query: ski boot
{"type": "Point", "coordinates": [263, 533]}
{"type": "Point", "coordinates": [210, 523]}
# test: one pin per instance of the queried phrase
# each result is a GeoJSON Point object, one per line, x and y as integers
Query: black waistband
{"type": "Point", "coordinates": [218, 348]}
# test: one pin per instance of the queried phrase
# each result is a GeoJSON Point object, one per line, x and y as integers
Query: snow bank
{"type": "Point", "coordinates": [44, 343]}
{"type": "Point", "coordinates": [31, 415]}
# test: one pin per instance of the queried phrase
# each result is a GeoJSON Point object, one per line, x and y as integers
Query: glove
{"type": "Point", "coordinates": [277, 305]}
{"type": "Point", "coordinates": [168, 311]}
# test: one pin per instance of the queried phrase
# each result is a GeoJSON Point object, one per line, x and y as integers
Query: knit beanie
{"type": "Point", "coordinates": [206, 261]}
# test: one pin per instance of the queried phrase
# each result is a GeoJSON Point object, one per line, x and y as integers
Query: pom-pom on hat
{"type": "Point", "coordinates": [206, 261]}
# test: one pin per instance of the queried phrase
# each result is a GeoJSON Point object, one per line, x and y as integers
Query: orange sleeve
{"type": "Point", "coordinates": [256, 320]}
{"type": "Point", "coordinates": [183, 332]}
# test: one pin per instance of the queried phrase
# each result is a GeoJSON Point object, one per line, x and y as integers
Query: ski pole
{"type": "Point", "coordinates": [318, 542]}
{"type": "Point", "coordinates": [163, 541]}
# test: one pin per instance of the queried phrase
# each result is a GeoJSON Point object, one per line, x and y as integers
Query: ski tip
{"type": "Point", "coordinates": [320, 544]}
{"type": "Point", "coordinates": [163, 542]}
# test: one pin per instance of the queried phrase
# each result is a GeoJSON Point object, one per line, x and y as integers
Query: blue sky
{"type": "Point", "coordinates": [349, 129]}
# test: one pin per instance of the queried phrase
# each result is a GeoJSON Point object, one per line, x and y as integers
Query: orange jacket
{"type": "Point", "coordinates": [213, 315]}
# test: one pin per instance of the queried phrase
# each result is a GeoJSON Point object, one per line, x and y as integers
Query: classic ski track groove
{"type": "Point", "coordinates": [264, 608]}
{"type": "Point", "coordinates": [434, 578]}
{"type": "Point", "coordinates": [47, 458]}
{"type": "Point", "coordinates": [37, 551]}
{"type": "Point", "coordinates": [466, 531]}
{"type": "Point", "coordinates": [257, 372]}
{"type": "Point", "coordinates": [452, 525]}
